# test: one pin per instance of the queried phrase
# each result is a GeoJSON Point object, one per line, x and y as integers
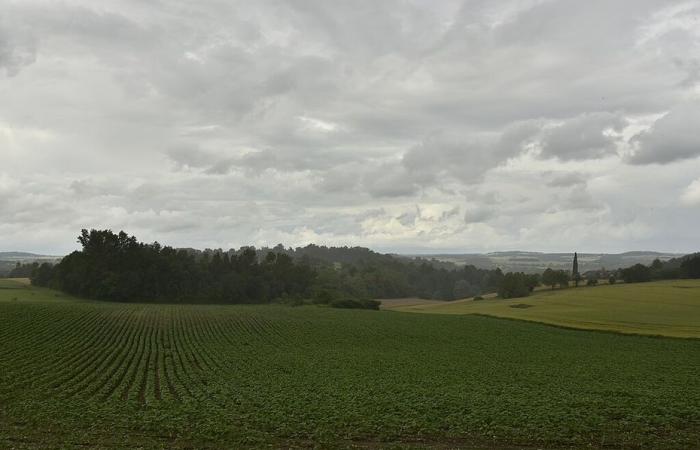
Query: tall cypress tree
{"type": "Point", "coordinates": [574, 273]}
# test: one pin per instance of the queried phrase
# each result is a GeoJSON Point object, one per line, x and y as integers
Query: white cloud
{"type": "Point", "coordinates": [691, 194]}
{"type": "Point", "coordinates": [318, 124]}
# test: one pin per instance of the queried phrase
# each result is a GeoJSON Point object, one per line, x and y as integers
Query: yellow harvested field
{"type": "Point", "coordinates": [667, 308]}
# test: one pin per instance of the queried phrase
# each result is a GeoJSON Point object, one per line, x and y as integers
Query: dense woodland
{"type": "Point", "coordinates": [116, 266]}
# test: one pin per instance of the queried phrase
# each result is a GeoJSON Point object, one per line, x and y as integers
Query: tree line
{"type": "Point", "coordinates": [116, 266]}
{"type": "Point", "coordinates": [687, 266]}
{"type": "Point", "coordinates": [521, 284]}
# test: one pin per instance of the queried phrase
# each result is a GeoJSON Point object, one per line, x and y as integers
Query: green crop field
{"type": "Point", "coordinates": [667, 308]}
{"type": "Point", "coordinates": [90, 374]}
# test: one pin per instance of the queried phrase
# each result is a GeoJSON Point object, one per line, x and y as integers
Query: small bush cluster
{"type": "Point", "coordinates": [355, 304]}
{"type": "Point", "coordinates": [517, 284]}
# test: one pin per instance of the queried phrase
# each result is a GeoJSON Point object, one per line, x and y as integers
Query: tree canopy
{"type": "Point", "coordinates": [116, 266]}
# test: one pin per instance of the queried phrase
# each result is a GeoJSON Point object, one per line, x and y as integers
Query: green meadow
{"type": "Point", "coordinates": [78, 373]}
{"type": "Point", "coordinates": [668, 308]}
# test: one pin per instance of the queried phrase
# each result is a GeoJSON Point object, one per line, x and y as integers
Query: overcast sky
{"type": "Point", "coordinates": [407, 126]}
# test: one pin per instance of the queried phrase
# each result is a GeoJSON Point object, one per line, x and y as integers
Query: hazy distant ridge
{"type": "Point", "coordinates": [8, 260]}
{"type": "Point", "coordinates": [508, 261]}
{"type": "Point", "coordinates": [23, 255]}
{"type": "Point", "coordinates": [519, 261]}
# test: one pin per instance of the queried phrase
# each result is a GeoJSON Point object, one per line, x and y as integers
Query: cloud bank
{"type": "Point", "coordinates": [405, 126]}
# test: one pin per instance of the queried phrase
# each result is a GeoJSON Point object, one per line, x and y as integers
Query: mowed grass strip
{"type": "Point", "coordinates": [186, 376]}
{"type": "Point", "coordinates": [666, 308]}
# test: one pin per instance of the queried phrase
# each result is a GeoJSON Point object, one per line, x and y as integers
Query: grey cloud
{"type": "Point", "coordinates": [342, 178]}
{"type": "Point", "coordinates": [30, 204]}
{"type": "Point", "coordinates": [162, 116]}
{"type": "Point", "coordinates": [185, 156]}
{"type": "Point", "coordinates": [582, 137]}
{"type": "Point", "coordinates": [480, 213]}
{"type": "Point", "coordinates": [671, 138]}
{"type": "Point", "coordinates": [408, 218]}
{"type": "Point", "coordinates": [86, 188]}
{"type": "Point", "coordinates": [82, 188]}
{"type": "Point", "coordinates": [515, 137]}
{"type": "Point", "coordinates": [615, 24]}
{"type": "Point", "coordinates": [221, 167]}
{"type": "Point", "coordinates": [389, 180]}
{"type": "Point", "coordinates": [449, 214]}
{"type": "Point", "coordinates": [580, 198]}
{"type": "Point", "coordinates": [541, 67]}
{"type": "Point", "coordinates": [291, 161]}
{"type": "Point", "coordinates": [18, 49]}
{"type": "Point", "coordinates": [366, 28]}
{"type": "Point", "coordinates": [445, 155]}
{"type": "Point", "coordinates": [465, 158]}
{"type": "Point", "coordinates": [371, 213]}
{"type": "Point", "coordinates": [692, 69]}
{"type": "Point", "coordinates": [221, 163]}
{"type": "Point", "coordinates": [567, 179]}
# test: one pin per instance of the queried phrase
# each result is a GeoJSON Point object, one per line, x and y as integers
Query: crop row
{"type": "Point", "coordinates": [140, 353]}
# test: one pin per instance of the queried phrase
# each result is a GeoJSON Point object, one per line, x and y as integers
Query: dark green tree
{"type": "Point", "coordinates": [636, 274]}
{"type": "Point", "coordinates": [690, 267]}
{"type": "Point", "coordinates": [550, 277]}
{"type": "Point", "coordinates": [563, 278]}
{"type": "Point", "coordinates": [514, 284]}
{"type": "Point", "coordinates": [574, 272]}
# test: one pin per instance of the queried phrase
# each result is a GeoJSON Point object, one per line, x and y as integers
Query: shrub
{"type": "Point", "coordinates": [478, 297]}
{"type": "Point", "coordinates": [355, 304]}
{"type": "Point", "coordinates": [296, 301]}
{"type": "Point", "coordinates": [612, 279]}
{"type": "Point", "coordinates": [592, 282]}
{"type": "Point", "coordinates": [515, 284]}
{"type": "Point", "coordinates": [636, 274]}
{"type": "Point", "coordinates": [290, 300]}
{"type": "Point", "coordinates": [555, 277]}
{"type": "Point", "coordinates": [690, 267]}
{"type": "Point", "coordinates": [324, 297]}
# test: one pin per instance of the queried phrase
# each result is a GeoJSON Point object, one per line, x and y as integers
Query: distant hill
{"type": "Point", "coordinates": [16, 255]}
{"type": "Point", "coordinates": [507, 261]}
{"type": "Point", "coordinates": [534, 262]}
{"type": "Point", "coordinates": [8, 260]}
{"type": "Point", "coordinates": [25, 256]}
